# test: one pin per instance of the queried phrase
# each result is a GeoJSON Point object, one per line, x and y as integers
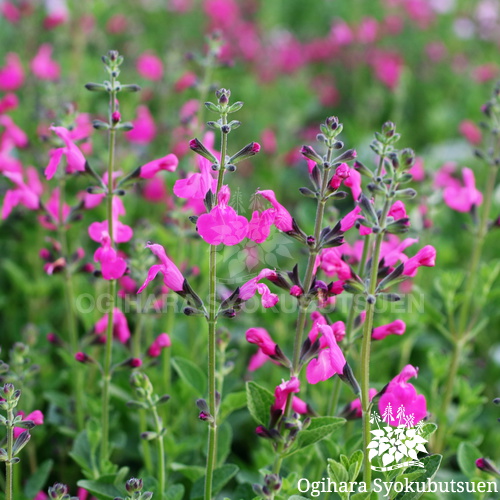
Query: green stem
{"type": "Point", "coordinates": [366, 344]}
{"type": "Point", "coordinates": [212, 326]}
{"type": "Point", "coordinates": [161, 452]}
{"type": "Point", "coordinates": [8, 465]}
{"type": "Point", "coordinates": [112, 285]}
{"type": "Point", "coordinates": [143, 426]}
{"type": "Point", "coordinates": [463, 326]}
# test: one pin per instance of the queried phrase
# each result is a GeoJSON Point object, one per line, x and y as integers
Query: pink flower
{"type": "Point", "coordinates": [349, 220]}
{"type": "Point", "coordinates": [329, 362]}
{"type": "Point", "coordinates": [42, 65]}
{"type": "Point", "coordinates": [75, 161]}
{"type": "Point", "coordinates": [112, 266]}
{"type": "Point", "coordinates": [388, 67]}
{"type": "Point", "coordinates": [260, 224]}
{"type": "Point", "coordinates": [341, 34]}
{"type": "Point", "coordinates": [41, 495]}
{"type": "Point", "coordinates": [282, 391]}
{"type": "Point", "coordinates": [57, 13]}
{"type": "Point", "coordinates": [144, 130]}
{"type": "Point", "coordinates": [8, 102]}
{"type": "Point", "coordinates": [222, 225]}
{"type": "Point", "coordinates": [12, 74]}
{"type": "Point", "coordinates": [367, 30]}
{"type": "Point", "coordinates": [392, 249]}
{"type": "Point", "coordinates": [354, 409]}
{"type": "Point", "coordinates": [485, 72]}
{"type": "Point", "coordinates": [121, 232]}
{"type": "Point", "coordinates": [397, 210]}
{"type": "Point", "coordinates": [332, 264]}
{"type": "Point", "coordinates": [260, 337]}
{"type": "Point", "coordinates": [160, 343]}
{"type": "Point", "coordinates": [471, 132]}
{"type": "Point", "coordinates": [51, 219]}
{"type": "Point", "coordinates": [268, 140]}
{"type": "Point", "coordinates": [282, 220]}
{"type": "Point", "coordinates": [11, 12]}
{"type": "Point", "coordinates": [149, 66]}
{"type": "Point", "coordinates": [426, 256]}
{"type": "Point", "coordinates": [168, 163]}
{"type": "Point", "coordinates": [35, 416]}
{"type": "Point", "coordinates": [251, 287]}
{"type": "Point", "coordinates": [418, 170]}
{"type": "Point", "coordinates": [400, 404]}
{"type": "Point", "coordinates": [463, 197]}
{"type": "Point", "coordinates": [186, 81]}
{"type": "Point", "coordinates": [338, 329]}
{"type": "Point", "coordinates": [397, 327]}
{"type": "Point", "coordinates": [23, 194]}
{"type": "Point", "coordinates": [353, 181]}
{"type": "Point", "coordinates": [12, 132]}
{"type": "Point", "coordinates": [121, 330]}
{"type": "Point", "coordinates": [172, 277]}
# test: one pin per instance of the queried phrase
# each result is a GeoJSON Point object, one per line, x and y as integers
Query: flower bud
{"type": "Point", "coordinates": [95, 87]}
{"type": "Point", "coordinates": [133, 485]}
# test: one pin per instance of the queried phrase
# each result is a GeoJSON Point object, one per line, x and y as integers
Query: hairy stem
{"type": "Point", "coordinates": [161, 453]}
{"type": "Point", "coordinates": [9, 495]}
{"type": "Point", "coordinates": [212, 327]}
{"type": "Point", "coordinates": [112, 284]}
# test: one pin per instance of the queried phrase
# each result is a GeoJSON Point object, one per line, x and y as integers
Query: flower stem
{"type": "Point", "coordinates": [8, 464]}
{"type": "Point", "coordinates": [112, 284]}
{"type": "Point", "coordinates": [161, 453]}
{"type": "Point", "coordinates": [366, 344]}
{"type": "Point", "coordinates": [212, 326]}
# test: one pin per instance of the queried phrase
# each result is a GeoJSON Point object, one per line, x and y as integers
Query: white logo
{"type": "Point", "coordinates": [392, 444]}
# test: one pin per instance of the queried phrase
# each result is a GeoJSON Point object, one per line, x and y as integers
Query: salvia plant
{"type": "Point", "coordinates": [318, 399]}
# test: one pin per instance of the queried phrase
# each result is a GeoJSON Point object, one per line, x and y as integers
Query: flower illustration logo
{"type": "Point", "coordinates": [394, 445]}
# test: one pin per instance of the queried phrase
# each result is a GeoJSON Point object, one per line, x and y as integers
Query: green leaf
{"type": "Point", "coordinates": [224, 440]}
{"type": "Point", "coordinates": [431, 466]}
{"type": "Point", "coordinates": [337, 471]}
{"type": "Point", "coordinates": [191, 374]}
{"type": "Point", "coordinates": [175, 492]}
{"type": "Point", "coordinates": [362, 496]}
{"type": "Point", "coordinates": [232, 402]}
{"type": "Point", "coordinates": [259, 401]}
{"type": "Point", "coordinates": [297, 497]}
{"type": "Point", "coordinates": [192, 472]}
{"type": "Point", "coordinates": [102, 488]}
{"type": "Point", "coordinates": [356, 463]}
{"type": "Point", "coordinates": [319, 428]}
{"type": "Point", "coordinates": [466, 456]}
{"type": "Point", "coordinates": [221, 476]}
{"type": "Point", "coordinates": [37, 481]}
{"type": "Point", "coordinates": [428, 430]}
{"type": "Point", "coordinates": [81, 454]}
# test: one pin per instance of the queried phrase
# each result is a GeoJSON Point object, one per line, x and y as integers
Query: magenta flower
{"type": "Point", "coordinates": [42, 65]}
{"type": "Point", "coordinates": [330, 360]}
{"type": "Point", "coordinates": [172, 277]}
{"type": "Point", "coordinates": [400, 404]}
{"type": "Point", "coordinates": [149, 66]}
{"type": "Point", "coordinates": [397, 327]}
{"type": "Point", "coordinates": [186, 81]}
{"type": "Point", "coordinates": [282, 391]}
{"type": "Point", "coordinates": [51, 219]}
{"type": "Point", "coordinates": [24, 194]}
{"type": "Point", "coordinates": [282, 219]}
{"type": "Point", "coordinates": [144, 130]}
{"type": "Point", "coordinates": [349, 220]}
{"type": "Point", "coordinates": [332, 264]}
{"type": "Point", "coordinates": [168, 163]}
{"type": "Point", "coordinates": [75, 161]}
{"type": "Point", "coordinates": [353, 181]}
{"type": "Point", "coordinates": [418, 170]}
{"type": "Point", "coordinates": [112, 265]}
{"type": "Point", "coordinates": [121, 232]}
{"type": "Point", "coordinates": [35, 416]}
{"type": "Point", "coordinates": [392, 249]}
{"type": "Point", "coordinates": [354, 408]}
{"type": "Point", "coordinates": [463, 198]}
{"type": "Point", "coordinates": [13, 133]}
{"type": "Point", "coordinates": [260, 224]}
{"type": "Point", "coordinates": [426, 256]}
{"type": "Point", "coordinates": [160, 343]}
{"type": "Point", "coordinates": [12, 74]}
{"type": "Point", "coordinates": [471, 132]}
{"type": "Point", "coordinates": [397, 210]}
{"type": "Point", "coordinates": [260, 337]}
{"type": "Point", "coordinates": [222, 225]}
{"type": "Point", "coordinates": [251, 287]}
{"type": "Point", "coordinates": [57, 13]}
{"type": "Point", "coordinates": [121, 330]}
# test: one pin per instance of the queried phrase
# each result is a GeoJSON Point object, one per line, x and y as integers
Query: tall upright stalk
{"type": "Point", "coordinates": [112, 283]}
{"type": "Point", "coordinates": [9, 495]}
{"type": "Point", "coordinates": [212, 327]}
